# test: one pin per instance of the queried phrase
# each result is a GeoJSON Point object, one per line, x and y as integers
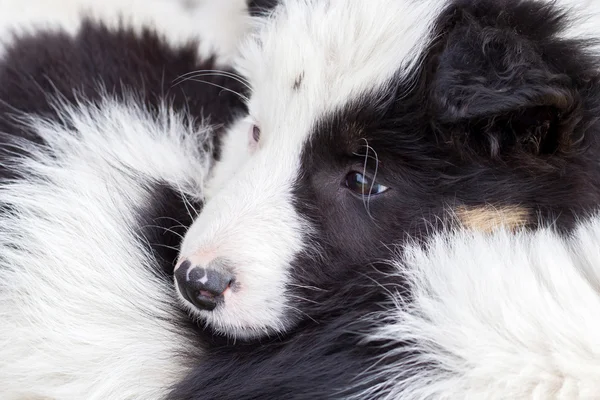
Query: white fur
{"type": "Point", "coordinates": [217, 24]}
{"type": "Point", "coordinates": [83, 315]}
{"type": "Point", "coordinates": [343, 50]}
{"type": "Point", "coordinates": [584, 17]}
{"type": "Point", "coordinates": [498, 316]}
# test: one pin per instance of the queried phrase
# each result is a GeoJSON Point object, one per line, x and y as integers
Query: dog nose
{"type": "Point", "coordinates": [203, 287]}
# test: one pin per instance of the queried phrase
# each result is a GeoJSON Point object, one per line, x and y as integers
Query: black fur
{"type": "Point", "coordinates": [96, 62]}
{"type": "Point", "coordinates": [99, 61]}
{"type": "Point", "coordinates": [498, 115]}
{"type": "Point", "coordinates": [321, 358]}
{"type": "Point", "coordinates": [502, 112]}
{"type": "Point", "coordinates": [495, 117]}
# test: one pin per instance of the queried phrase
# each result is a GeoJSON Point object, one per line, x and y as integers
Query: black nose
{"type": "Point", "coordinates": [203, 287]}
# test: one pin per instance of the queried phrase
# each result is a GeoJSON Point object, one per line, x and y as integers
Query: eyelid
{"type": "Point", "coordinates": [358, 165]}
{"type": "Point", "coordinates": [368, 170]}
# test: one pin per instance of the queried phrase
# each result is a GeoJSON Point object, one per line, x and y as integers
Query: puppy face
{"type": "Point", "coordinates": [372, 123]}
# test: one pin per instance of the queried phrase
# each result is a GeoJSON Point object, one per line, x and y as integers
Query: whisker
{"type": "Point", "coordinates": [186, 202]}
{"type": "Point", "coordinates": [307, 287]}
{"type": "Point", "coordinates": [163, 228]}
{"type": "Point", "coordinates": [172, 219]}
{"type": "Point", "coordinates": [241, 96]}
{"type": "Point", "coordinates": [388, 291]}
{"type": "Point", "coordinates": [211, 72]}
{"type": "Point", "coordinates": [178, 226]}
{"type": "Point", "coordinates": [302, 298]}
{"type": "Point", "coordinates": [364, 174]}
{"type": "Point", "coordinates": [369, 148]}
{"type": "Point", "coordinates": [373, 182]}
{"type": "Point", "coordinates": [201, 74]}
{"type": "Point", "coordinates": [165, 246]}
{"type": "Point", "coordinates": [302, 312]}
{"type": "Point", "coordinates": [196, 212]}
{"type": "Point", "coordinates": [367, 203]}
{"type": "Point", "coordinates": [364, 155]}
{"type": "Point", "coordinates": [186, 227]}
{"type": "Point", "coordinates": [189, 203]}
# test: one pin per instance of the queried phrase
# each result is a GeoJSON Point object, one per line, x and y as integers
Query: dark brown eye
{"type": "Point", "coordinates": [255, 133]}
{"type": "Point", "coordinates": [363, 185]}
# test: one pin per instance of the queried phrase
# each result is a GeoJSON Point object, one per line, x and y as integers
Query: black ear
{"type": "Point", "coordinates": [495, 89]}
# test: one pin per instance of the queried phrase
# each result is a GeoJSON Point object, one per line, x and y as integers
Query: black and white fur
{"type": "Point", "coordinates": [455, 106]}
{"type": "Point", "coordinates": [105, 152]}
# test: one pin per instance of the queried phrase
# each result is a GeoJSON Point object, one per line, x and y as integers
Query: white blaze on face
{"type": "Point", "coordinates": [252, 222]}
{"type": "Point", "coordinates": [310, 59]}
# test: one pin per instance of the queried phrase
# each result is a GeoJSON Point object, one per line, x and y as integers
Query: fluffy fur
{"type": "Point", "coordinates": [219, 24]}
{"type": "Point", "coordinates": [104, 155]}
{"type": "Point", "coordinates": [454, 107]}
{"type": "Point", "coordinates": [85, 312]}
{"type": "Point", "coordinates": [495, 316]}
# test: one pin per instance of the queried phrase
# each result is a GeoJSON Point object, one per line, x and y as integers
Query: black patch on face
{"type": "Point", "coordinates": [99, 60]}
{"type": "Point", "coordinates": [501, 112]}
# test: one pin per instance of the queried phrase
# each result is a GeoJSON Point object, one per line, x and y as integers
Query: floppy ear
{"type": "Point", "coordinates": [495, 92]}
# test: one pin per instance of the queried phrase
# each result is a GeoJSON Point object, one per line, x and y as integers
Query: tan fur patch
{"type": "Point", "coordinates": [489, 218]}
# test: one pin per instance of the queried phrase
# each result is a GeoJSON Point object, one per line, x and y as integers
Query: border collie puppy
{"type": "Point", "coordinates": [367, 125]}
{"type": "Point", "coordinates": [370, 124]}
{"type": "Point", "coordinates": [373, 122]}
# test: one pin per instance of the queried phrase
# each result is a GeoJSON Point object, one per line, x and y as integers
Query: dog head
{"type": "Point", "coordinates": [371, 123]}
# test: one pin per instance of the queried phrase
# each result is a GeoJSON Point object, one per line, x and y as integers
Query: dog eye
{"type": "Point", "coordinates": [363, 185]}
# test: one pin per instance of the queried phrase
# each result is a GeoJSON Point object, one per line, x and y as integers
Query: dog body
{"type": "Point", "coordinates": [353, 236]}
{"type": "Point", "coordinates": [104, 157]}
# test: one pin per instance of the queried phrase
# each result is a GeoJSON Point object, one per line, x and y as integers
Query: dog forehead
{"type": "Point", "coordinates": [312, 57]}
